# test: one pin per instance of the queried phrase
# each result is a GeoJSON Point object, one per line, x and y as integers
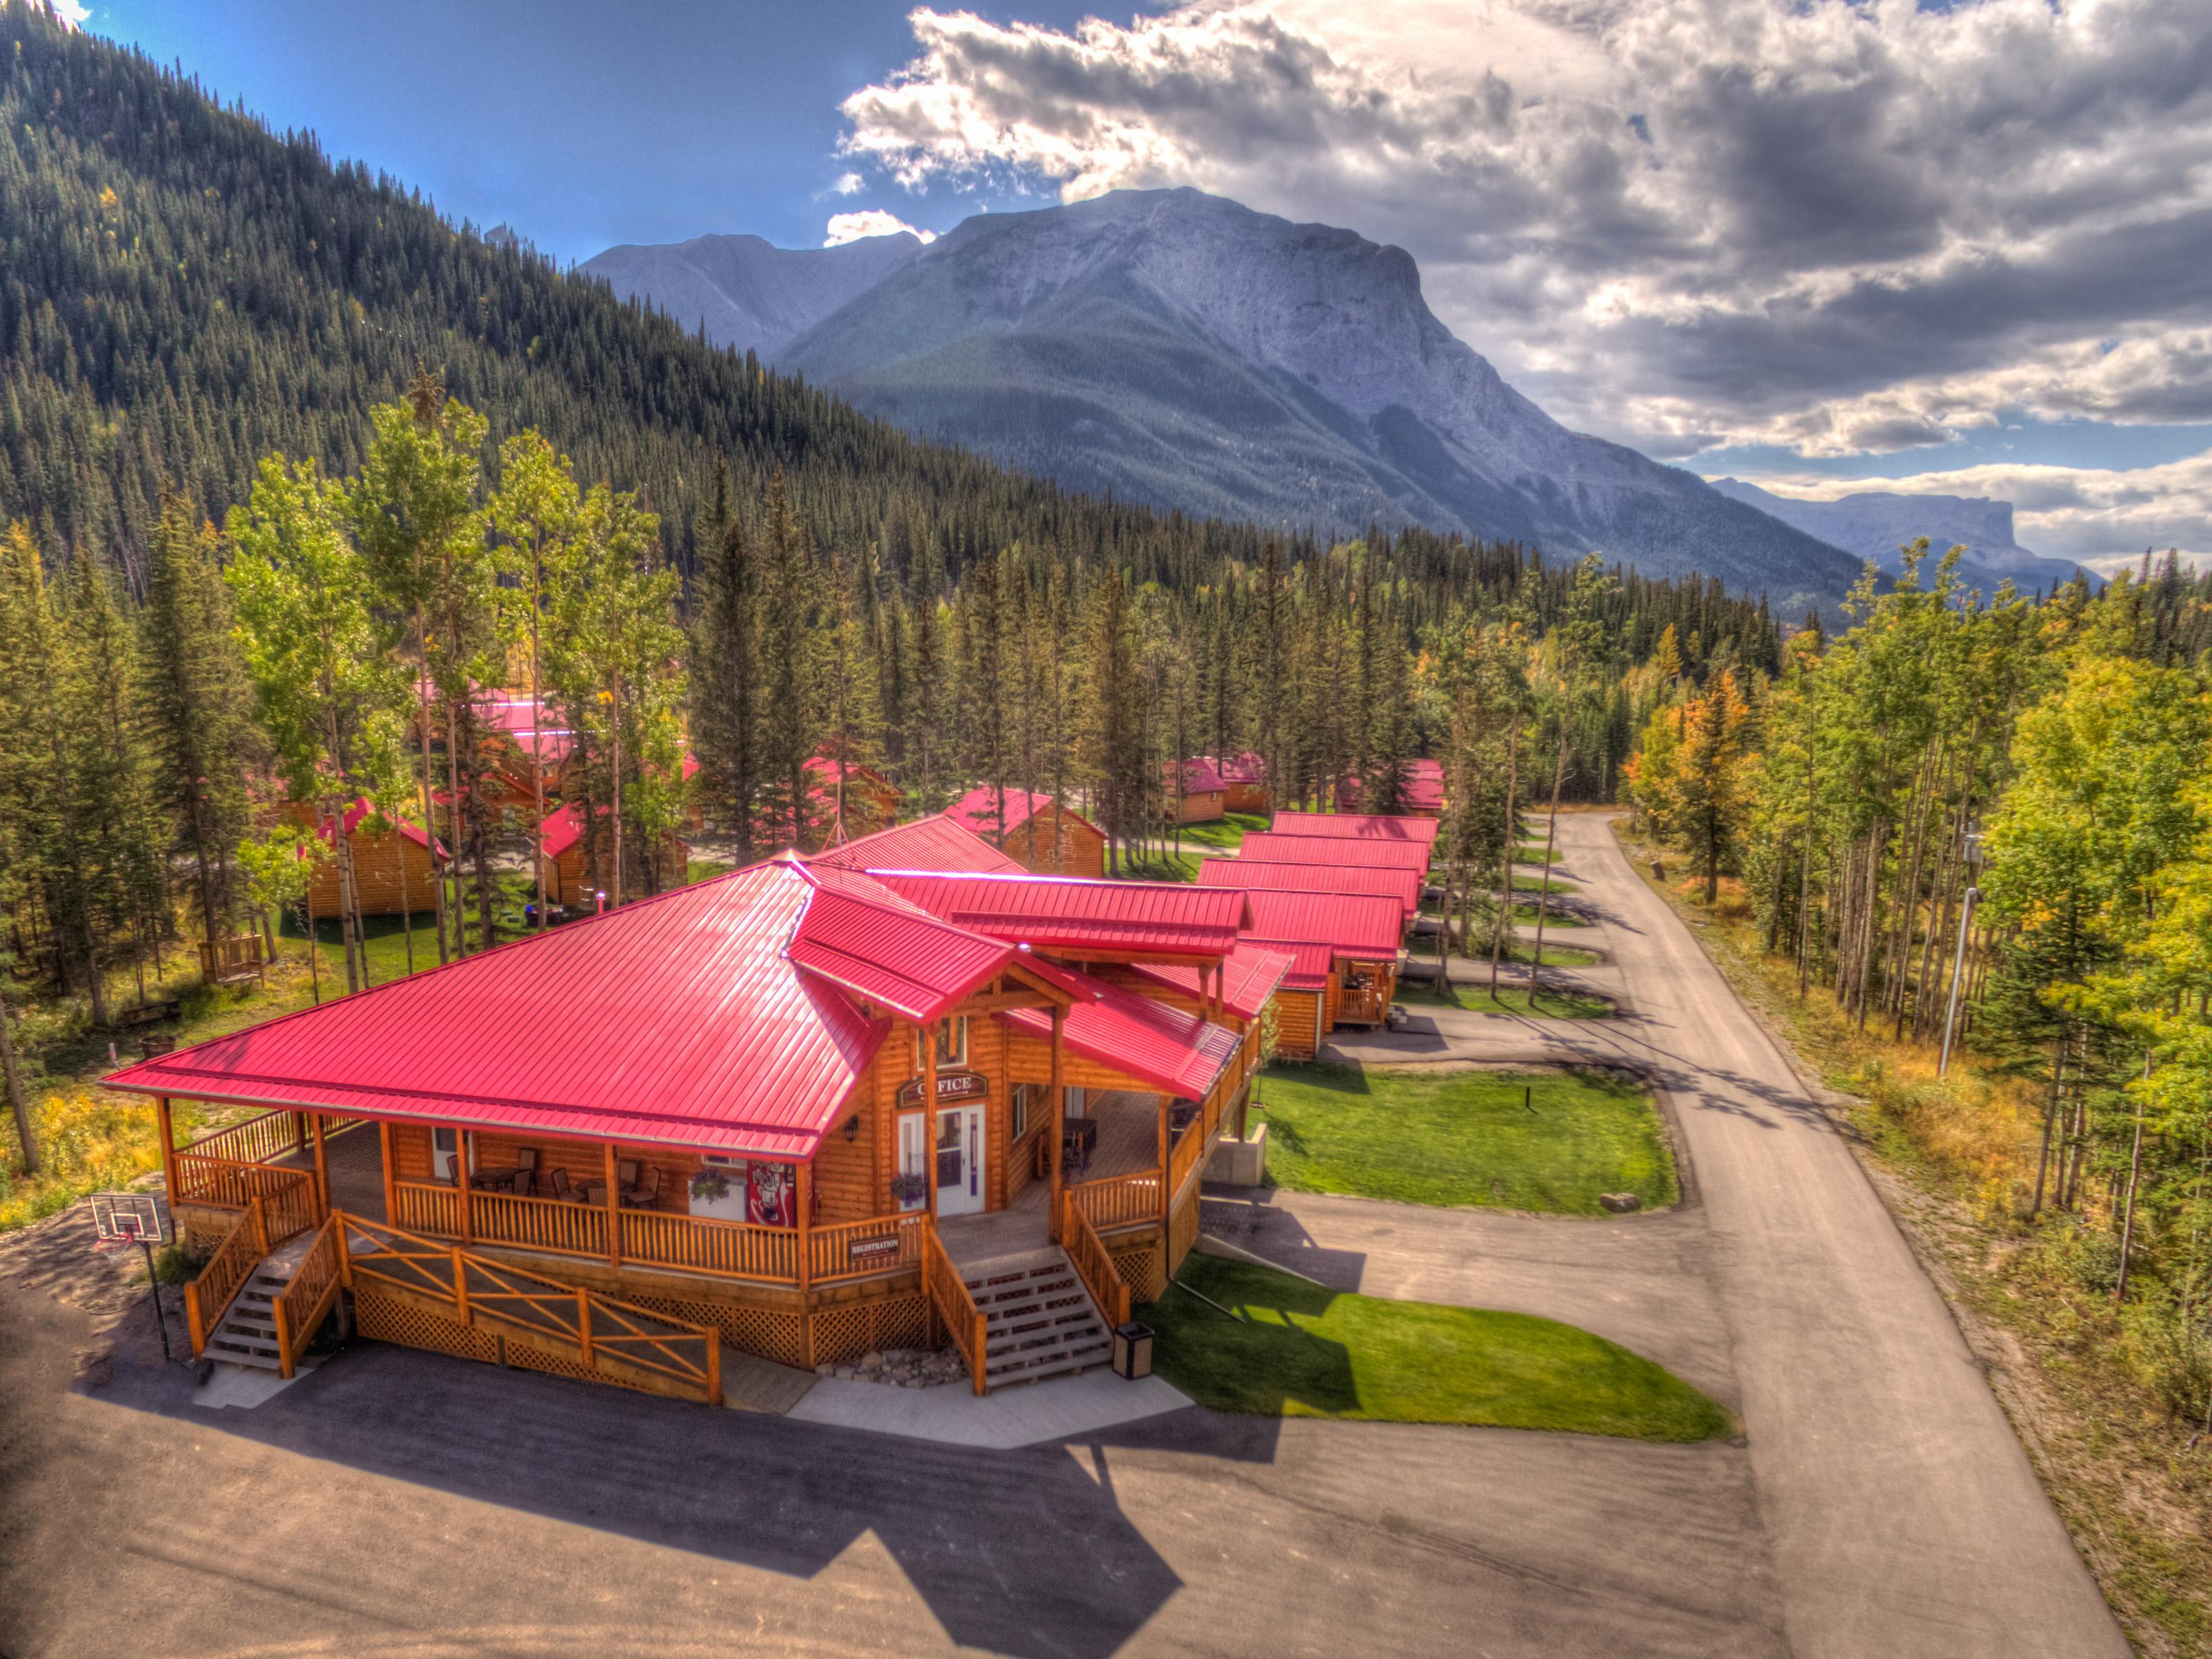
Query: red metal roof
{"type": "Point", "coordinates": [1176, 1051]}
{"type": "Point", "coordinates": [1367, 926]}
{"type": "Point", "coordinates": [679, 1020]}
{"type": "Point", "coordinates": [1250, 974]}
{"type": "Point", "coordinates": [933, 843]}
{"type": "Point", "coordinates": [876, 944]}
{"type": "Point", "coordinates": [1199, 777]}
{"type": "Point", "coordinates": [1271, 848]}
{"type": "Point", "coordinates": [361, 809]}
{"type": "Point", "coordinates": [1357, 826]}
{"type": "Point", "coordinates": [1255, 875]}
{"type": "Point", "coordinates": [1420, 786]}
{"type": "Point", "coordinates": [1310, 962]}
{"type": "Point", "coordinates": [1246, 767]}
{"type": "Point", "coordinates": [1068, 914]}
{"type": "Point", "coordinates": [978, 809]}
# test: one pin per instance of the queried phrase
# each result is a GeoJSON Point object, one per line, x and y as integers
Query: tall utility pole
{"type": "Point", "coordinates": [1973, 859]}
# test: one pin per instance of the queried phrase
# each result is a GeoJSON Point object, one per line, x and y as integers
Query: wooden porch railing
{"type": "Point", "coordinates": [1121, 1200]}
{"type": "Point", "coordinates": [701, 1244]}
{"type": "Point", "coordinates": [856, 1250]}
{"type": "Point", "coordinates": [225, 1184]}
{"type": "Point", "coordinates": [582, 1324]}
{"type": "Point", "coordinates": [1094, 1264]}
{"type": "Point", "coordinates": [952, 1307]}
{"type": "Point", "coordinates": [315, 1284]}
{"type": "Point", "coordinates": [558, 1225]}
{"type": "Point", "coordinates": [1187, 1152]}
{"type": "Point", "coordinates": [209, 1294]}
{"type": "Point", "coordinates": [257, 1140]}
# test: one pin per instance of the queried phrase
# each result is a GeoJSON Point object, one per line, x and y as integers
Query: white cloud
{"type": "Point", "coordinates": [2103, 517]}
{"type": "Point", "coordinates": [848, 183]}
{"type": "Point", "coordinates": [869, 222]}
{"type": "Point", "coordinates": [1845, 228]}
{"type": "Point", "coordinates": [74, 13]}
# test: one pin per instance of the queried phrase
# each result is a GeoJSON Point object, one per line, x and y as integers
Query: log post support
{"type": "Point", "coordinates": [804, 1186]}
{"type": "Point", "coordinates": [322, 1172]}
{"type": "Point", "coordinates": [1057, 1130]}
{"type": "Point", "coordinates": [461, 1289]}
{"type": "Point", "coordinates": [167, 1122]}
{"type": "Point", "coordinates": [929, 1111]}
{"type": "Point", "coordinates": [614, 1209]}
{"type": "Point", "coordinates": [1167, 1105]}
{"type": "Point", "coordinates": [461, 1187]}
{"type": "Point", "coordinates": [257, 1210]}
{"type": "Point", "coordinates": [283, 1339]}
{"type": "Point", "coordinates": [584, 1327]}
{"type": "Point", "coordinates": [384, 1146]}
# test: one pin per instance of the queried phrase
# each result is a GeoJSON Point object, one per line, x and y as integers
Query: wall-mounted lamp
{"type": "Point", "coordinates": [853, 1126]}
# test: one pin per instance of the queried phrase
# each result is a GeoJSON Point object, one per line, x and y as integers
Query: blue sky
{"type": "Point", "coordinates": [1959, 249]}
{"type": "Point", "coordinates": [580, 123]}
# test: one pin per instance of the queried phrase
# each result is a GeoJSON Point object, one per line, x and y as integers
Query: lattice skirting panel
{"type": "Point", "coordinates": [1182, 1232]}
{"type": "Point", "coordinates": [387, 1319]}
{"type": "Point", "coordinates": [772, 1335]}
{"type": "Point", "coordinates": [523, 1357]}
{"type": "Point", "coordinates": [1141, 1272]}
{"type": "Point", "coordinates": [843, 1334]}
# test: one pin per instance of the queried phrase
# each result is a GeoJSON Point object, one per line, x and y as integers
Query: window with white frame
{"type": "Point", "coordinates": [951, 1044]}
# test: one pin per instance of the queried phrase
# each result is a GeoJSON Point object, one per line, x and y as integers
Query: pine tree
{"type": "Point", "coordinates": [724, 649]}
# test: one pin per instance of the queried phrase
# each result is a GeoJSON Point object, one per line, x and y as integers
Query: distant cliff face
{"type": "Point", "coordinates": [1874, 523]}
{"type": "Point", "coordinates": [1177, 348]}
{"type": "Point", "coordinates": [745, 292]}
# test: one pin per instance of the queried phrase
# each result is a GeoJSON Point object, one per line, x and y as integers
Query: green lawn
{"type": "Point", "coordinates": [1303, 1351]}
{"type": "Point", "coordinates": [1226, 835]}
{"type": "Point", "coordinates": [1421, 953]}
{"type": "Point", "coordinates": [1552, 1003]}
{"type": "Point", "coordinates": [1465, 1138]}
{"type": "Point", "coordinates": [1553, 917]}
{"type": "Point", "coordinates": [1538, 884]}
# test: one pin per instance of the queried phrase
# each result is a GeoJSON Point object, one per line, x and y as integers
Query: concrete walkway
{"type": "Point", "coordinates": [1058, 1409]}
{"type": "Point", "coordinates": [1903, 1518]}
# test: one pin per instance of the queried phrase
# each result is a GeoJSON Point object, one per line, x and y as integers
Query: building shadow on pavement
{"type": "Point", "coordinates": [1026, 1552]}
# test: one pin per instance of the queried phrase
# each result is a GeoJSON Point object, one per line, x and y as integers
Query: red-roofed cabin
{"type": "Point", "coordinates": [1202, 796]}
{"type": "Point", "coordinates": [1273, 846]}
{"type": "Point", "coordinates": [800, 1109]}
{"type": "Point", "coordinates": [1362, 933]}
{"type": "Point", "coordinates": [1357, 826]}
{"type": "Point", "coordinates": [570, 866]}
{"type": "Point", "coordinates": [1420, 790]}
{"type": "Point", "coordinates": [1038, 831]}
{"type": "Point", "coordinates": [1244, 783]}
{"type": "Point", "coordinates": [1255, 875]}
{"type": "Point", "coordinates": [394, 871]}
{"type": "Point", "coordinates": [933, 843]}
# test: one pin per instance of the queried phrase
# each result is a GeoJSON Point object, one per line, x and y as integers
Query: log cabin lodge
{"type": "Point", "coordinates": [903, 1094]}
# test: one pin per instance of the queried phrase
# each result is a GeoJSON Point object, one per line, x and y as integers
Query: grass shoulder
{"type": "Point", "coordinates": [1549, 1140]}
{"type": "Point", "coordinates": [1297, 1349]}
{"type": "Point", "coordinates": [1549, 1003]}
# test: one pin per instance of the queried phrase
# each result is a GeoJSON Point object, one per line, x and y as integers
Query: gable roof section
{"type": "Point", "coordinates": [1070, 915]}
{"type": "Point", "coordinates": [1177, 1052]}
{"type": "Point", "coordinates": [1357, 826]}
{"type": "Point", "coordinates": [1250, 975]}
{"type": "Point", "coordinates": [859, 934]}
{"type": "Point", "coordinates": [977, 810]}
{"type": "Point", "coordinates": [1261, 875]}
{"type": "Point", "coordinates": [1271, 848]}
{"type": "Point", "coordinates": [1311, 962]}
{"type": "Point", "coordinates": [931, 844]}
{"type": "Point", "coordinates": [1246, 767]}
{"type": "Point", "coordinates": [1366, 926]}
{"type": "Point", "coordinates": [679, 1020]}
{"type": "Point", "coordinates": [361, 809]}
{"type": "Point", "coordinates": [1201, 777]}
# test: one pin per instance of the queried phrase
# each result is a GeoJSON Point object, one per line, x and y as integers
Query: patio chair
{"type": "Point", "coordinates": [644, 1194]}
{"type": "Point", "coordinates": [523, 1184]}
{"type": "Point", "coordinates": [626, 1173]}
{"type": "Point", "coordinates": [557, 1186]}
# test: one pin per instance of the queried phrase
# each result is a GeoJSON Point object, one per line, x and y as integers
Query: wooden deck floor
{"type": "Point", "coordinates": [355, 1158]}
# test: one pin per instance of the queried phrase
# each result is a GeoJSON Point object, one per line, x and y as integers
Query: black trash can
{"type": "Point", "coordinates": [1132, 1351]}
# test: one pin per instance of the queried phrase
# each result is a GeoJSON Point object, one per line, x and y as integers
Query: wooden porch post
{"type": "Point", "coordinates": [166, 1124]}
{"type": "Point", "coordinates": [804, 1190]}
{"type": "Point", "coordinates": [614, 1212]}
{"type": "Point", "coordinates": [1167, 1105]}
{"type": "Point", "coordinates": [929, 1110]}
{"type": "Point", "coordinates": [1058, 1092]}
{"type": "Point", "coordinates": [461, 1186]}
{"type": "Point", "coordinates": [391, 1175]}
{"type": "Point", "coordinates": [322, 1168]}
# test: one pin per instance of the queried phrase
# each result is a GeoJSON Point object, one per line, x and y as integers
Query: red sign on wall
{"type": "Point", "coordinates": [952, 1087]}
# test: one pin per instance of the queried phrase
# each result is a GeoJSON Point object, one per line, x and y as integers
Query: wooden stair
{"type": "Point", "coordinates": [247, 1333]}
{"type": "Point", "coordinates": [1039, 1320]}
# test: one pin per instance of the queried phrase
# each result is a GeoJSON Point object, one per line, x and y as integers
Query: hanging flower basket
{"type": "Point", "coordinates": [909, 1188]}
{"type": "Point", "coordinates": [711, 1185]}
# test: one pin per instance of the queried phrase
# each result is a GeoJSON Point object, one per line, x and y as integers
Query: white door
{"type": "Point", "coordinates": [913, 1158]}
{"type": "Point", "coordinates": [960, 1160]}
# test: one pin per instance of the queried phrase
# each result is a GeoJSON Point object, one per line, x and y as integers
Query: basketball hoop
{"type": "Point", "coordinates": [122, 1220]}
